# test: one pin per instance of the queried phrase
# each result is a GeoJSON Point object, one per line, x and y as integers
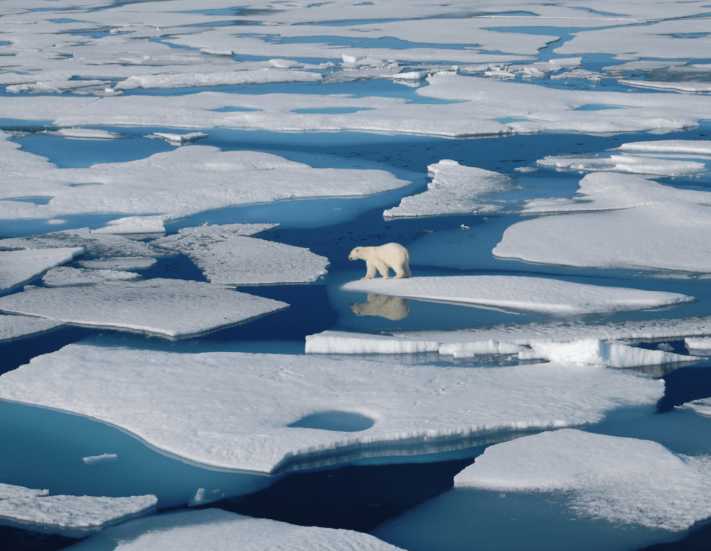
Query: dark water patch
{"type": "Point", "coordinates": [685, 385]}
{"type": "Point", "coordinates": [355, 498]}
{"type": "Point", "coordinates": [384, 42]}
{"type": "Point", "coordinates": [32, 199]}
{"type": "Point", "coordinates": [21, 351]}
{"type": "Point", "coordinates": [177, 266]}
{"type": "Point", "coordinates": [16, 539]}
{"type": "Point", "coordinates": [697, 539]}
{"type": "Point", "coordinates": [235, 109]}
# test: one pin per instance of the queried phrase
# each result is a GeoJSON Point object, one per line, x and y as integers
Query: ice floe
{"type": "Point", "coordinates": [638, 223]}
{"type": "Point", "coordinates": [679, 147]}
{"type": "Point", "coordinates": [121, 263]}
{"type": "Point", "coordinates": [454, 189]}
{"type": "Point", "coordinates": [214, 529]}
{"type": "Point", "coordinates": [621, 480]}
{"type": "Point", "coordinates": [169, 308]}
{"type": "Point", "coordinates": [17, 327]}
{"type": "Point", "coordinates": [21, 266]}
{"type": "Point", "coordinates": [635, 164]}
{"type": "Point", "coordinates": [702, 406]}
{"type": "Point", "coordinates": [85, 134]}
{"type": "Point", "coordinates": [180, 80]}
{"type": "Point", "coordinates": [57, 277]}
{"type": "Point", "coordinates": [66, 515]}
{"type": "Point", "coordinates": [227, 254]}
{"type": "Point", "coordinates": [529, 294]}
{"type": "Point", "coordinates": [178, 139]}
{"type": "Point", "coordinates": [245, 411]}
{"type": "Point", "coordinates": [700, 345]}
{"type": "Point", "coordinates": [134, 225]}
{"type": "Point", "coordinates": [343, 342]}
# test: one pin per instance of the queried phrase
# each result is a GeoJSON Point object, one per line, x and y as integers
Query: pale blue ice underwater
{"type": "Point", "coordinates": [44, 448]}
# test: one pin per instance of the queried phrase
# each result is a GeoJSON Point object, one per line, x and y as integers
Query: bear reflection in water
{"type": "Point", "coordinates": [392, 308]}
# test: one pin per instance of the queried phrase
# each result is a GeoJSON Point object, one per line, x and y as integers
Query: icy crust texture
{"type": "Point", "coordinates": [227, 255]}
{"type": "Point", "coordinates": [617, 221]}
{"type": "Point", "coordinates": [19, 267]}
{"type": "Point", "coordinates": [244, 411]}
{"type": "Point", "coordinates": [16, 327]}
{"type": "Point", "coordinates": [69, 516]}
{"type": "Point", "coordinates": [530, 294]}
{"type": "Point", "coordinates": [170, 308]}
{"type": "Point", "coordinates": [218, 530]}
{"type": "Point", "coordinates": [622, 480]}
{"type": "Point", "coordinates": [454, 189]}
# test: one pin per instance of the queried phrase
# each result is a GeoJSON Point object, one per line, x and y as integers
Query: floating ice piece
{"type": "Point", "coordinates": [18, 327]}
{"type": "Point", "coordinates": [182, 80]}
{"type": "Point", "coordinates": [702, 407]}
{"type": "Point", "coordinates": [95, 245]}
{"type": "Point", "coordinates": [622, 480]}
{"type": "Point", "coordinates": [623, 163]}
{"type": "Point", "coordinates": [19, 267]}
{"type": "Point", "coordinates": [597, 352]}
{"type": "Point", "coordinates": [227, 255]}
{"type": "Point", "coordinates": [683, 86]}
{"type": "Point", "coordinates": [68, 516]}
{"type": "Point", "coordinates": [414, 76]}
{"type": "Point", "coordinates": [134, 225]}
{"type": "Point", "coordinates": [120, 263]}
{"type": "Point", "coordinates": [58, 277]}
{"type": "Point", "coordinates": [648, 226]}
{"type": "Point", "coordinates": [342, 342]}
{"type": "Point", "coordinates": [85, 134]}
{"type": "Point", "coordinates": [101, 458]}
{"type": "Point", "coordinates": [168, 308]}
{"type": "Point", "coordinates": [243, 411]}
{"type": "Point", "coordinates": [215, 530]}
{"type": "Point", "coordinates": [531, 294]}
{"type": "Point", "coordinates": [698, 344]}
{"type": "Point", "coordinates": [178, 139]}
{"type": "Point", "coordinates": [679, 147]}
{"type": "Point", "coordinates": [454, 189]}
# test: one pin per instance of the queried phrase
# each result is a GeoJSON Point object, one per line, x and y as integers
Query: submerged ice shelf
{"type": "Point", "coordinates": [243, 411]}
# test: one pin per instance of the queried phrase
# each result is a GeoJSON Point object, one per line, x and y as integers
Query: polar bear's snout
{"type": "Point", "coordinates": [382, 259]}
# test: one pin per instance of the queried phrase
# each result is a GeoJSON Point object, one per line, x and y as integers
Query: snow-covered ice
{"type": "Point", "coordinates": [342, 342]}
{"type": "Point", "coordinates": [181, 80]}
{"type": "Point", "coordinates": [178, 139]}
{"type": "Point", "coordinates": [17, 327]}
{"type": "Point", "coordinates": [218, 530]}
{"type": "Point", "coordinates": [622, 480]}
{"type": "Point", "coordinates": [242, 411]}
{"type": "Point", "coordinates": [67, 515]}
{"type": "Point", "coordinates": [679, 147]}
{"type": "Point", "coordinates": [530, 294]}
{"type": "Point", "coordinates": [121, 263]}
{"type": "Point", "coordinates": [134, 225]}
{"type": "Point", "coordinates": [698, 344]}
{"type": "Point", "coordinates": [637, 223]}
{"type": "Point", "coordinates": [21, 266]}
{"type": "Point", "coordinates": [227, 254]}
{"type": "Point", "coordinates": [169, 308]}
{"type": "Point", "coordinates": [58, 277]}
{"type": "Point", "coordinates": [702, 406]}
{"type": "Point", "coordinates": [454, 189]}
{"type": "Point", "coordinates": [635, 164]}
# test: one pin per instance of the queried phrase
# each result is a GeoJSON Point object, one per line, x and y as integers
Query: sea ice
{"type": "Point", "coordinates": [218, 530]}
{"type": "Point", "coordinates": [22, 266]}
{"type": "Point", "coordinates": [69, 516]}
{"type": "Point", "coordinates": [178, 139]}
{"type": "Point", "coordinates": [531, 294]}
{"type": "Point", "coordinates": [700, 345]}
{"type": "Point", "coordinates": [454, 189]}
{"type": "Point", "coordinates": [85, 134]}
{"type": "Point", "coordinates": [622, 480]}
{"type": "Point", "coordinates": [678, 147]}
{"type": "Point", "coordinates": [227, 254]}
{"type": "Point", "coordinates": [182, 80]}
{"type": "Point", "coordinates": [342, 342]}
{"type": "Point", "coordinates": [635, 223]}
{"type": "Point", "coordinates": [635, 164]}
{"type": "Point", "coordinates": [58, 277]}
{"type": "Point", "coordinates": [120, 263]}
{"type": "Point", "coordinates": [702, 406]}
{"type": "Point", "coordinates": [17, 327]}
{"type": "Point", "coordinates": [134, 225]}
{"type": "Point", "coordinates": [169, 308]}
{"type": "Point", "coordinates": [243, 411]}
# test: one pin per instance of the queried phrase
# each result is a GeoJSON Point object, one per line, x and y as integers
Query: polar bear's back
{"type": "Point", "coordinates": [394, 252]}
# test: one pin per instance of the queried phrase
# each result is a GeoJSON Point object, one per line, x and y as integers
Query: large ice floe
{"type": "Point", "coordinates": [454, 189]}
{"type": "Point", "coordinates": [164, 184]}
{"type": "Point", "coordinates": [22, 266]}
{"type": "Point", "coordinates": [603, 492]}
{"type": "Point", "coordinates": [169, 308]}
{"type": "Point", "coordinates": [617, 220]}
{"type": "Point", "coordinates": [17, 327]}
{"type": "Point", "coordinates": [228, 255]}
{"type": "Point", "coordinates": [530, 294]}
{"type": "Point", "coordinates": [67, 515]}
{"type": "Point", "coordinates": [217, 530]}
{"type": "Point", "coordinates": [278, 413]}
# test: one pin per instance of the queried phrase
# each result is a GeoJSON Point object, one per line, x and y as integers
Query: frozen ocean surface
{"type": "Point", "coordinates": [180, 185]}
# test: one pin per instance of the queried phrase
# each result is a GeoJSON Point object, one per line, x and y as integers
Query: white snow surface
{"type": "Point", "coordinates": [689, 147]}
{"type": "Point", "coordinates": [234, 410]}
{"type": "Point", "coordinates": [134, 225]}
{"type": "Point", "coordinates": [698, 343]}
{"type": "Point", "coordinates": [169, 308]}
{"type": "Point", "coordinates": [119, 263]}
{"type": "Point", "coordinates": [227, 255]}
{"type": "Point", "coordinates": [22, 266]}
{"type": "Point", "coordinates": [17, 327]}
{"type": "Point", "coordinates": [621, 480]}
{"type": "Point", "coordinates": [182, 80]}
{"type": "Point", "coordinates": [178, 139]}
{"type": "Point", "coordinates": [631, 222]}
{"type": "Point", "coordinates": [218, 530]}
{"type": "Point", "coordinates": [67, 515]}
{"type": "Point", "coordinates": [702, 407]}
{"type": "Point", "coordinates": [530, 294]}
{"type": "Point", "coordinates": [635, 164]}
{"type": "Point", "coordinates": [454, 189]}
{"type": "Point", "coordinates": [343, 342]}
{"type": "Point", "coordinates": [58, 277]}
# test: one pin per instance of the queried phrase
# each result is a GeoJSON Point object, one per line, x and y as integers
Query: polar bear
{"type": "Point", "coordinates": [392, 308]}
{"type": "Point", "coordinates": [389, 256]}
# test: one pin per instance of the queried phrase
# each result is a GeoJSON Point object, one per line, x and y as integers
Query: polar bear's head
{"type": "Point", "coordinates": [356, 254]}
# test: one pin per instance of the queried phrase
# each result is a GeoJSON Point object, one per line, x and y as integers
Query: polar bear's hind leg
{"type": "Point", "coordinates": [382, 269]}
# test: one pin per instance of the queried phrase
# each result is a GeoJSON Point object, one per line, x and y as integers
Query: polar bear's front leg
{"type": "Point", "coordinates": [382, 269]}
{"type": "Point", "coordinates": [370, 272]}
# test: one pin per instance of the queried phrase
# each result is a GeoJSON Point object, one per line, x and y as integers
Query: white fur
{"type": "Point", "coordinates": [391, 256]}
